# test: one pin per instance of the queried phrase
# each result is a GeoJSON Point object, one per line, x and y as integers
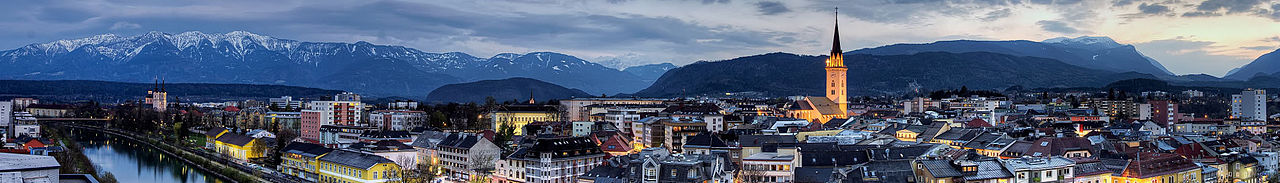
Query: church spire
{"type": "Point", "coordinates": [835, 42]}
{"type": "Point", "coordinates": [836, 60]}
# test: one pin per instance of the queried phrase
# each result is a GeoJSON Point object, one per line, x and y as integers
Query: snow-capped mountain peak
{"type": "Point", "coordinates": [1092, 42]}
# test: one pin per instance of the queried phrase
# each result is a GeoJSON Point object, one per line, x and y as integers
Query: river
{"type": "Point", "coordinates": [130, 161]}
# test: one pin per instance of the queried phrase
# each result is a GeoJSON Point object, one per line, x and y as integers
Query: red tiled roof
{"type": "Point", "coordinates": [978, 122]}
{"type": "Point", "coordinates": [1152, 164]}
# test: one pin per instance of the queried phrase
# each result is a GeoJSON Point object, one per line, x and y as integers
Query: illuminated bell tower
{"type": "Point", "coordinates": [837, 74]}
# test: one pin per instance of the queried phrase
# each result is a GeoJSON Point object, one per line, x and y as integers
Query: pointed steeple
{"type": "Point", "coordinates": [835, 41]}
{"type": "Point", "coordinates": [531, 101]}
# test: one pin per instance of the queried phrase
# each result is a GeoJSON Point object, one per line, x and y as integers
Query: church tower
{"type": "Point", "coordinates": [837, 73]}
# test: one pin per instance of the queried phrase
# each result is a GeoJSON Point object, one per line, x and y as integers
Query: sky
{"type": "Point", "coordinates": [1186, 36]}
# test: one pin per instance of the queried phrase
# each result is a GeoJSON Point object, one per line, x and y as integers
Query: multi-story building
{"type": "Point", "coordinates": [337, 136]}
{"type": "Point", "coordinates": [550, 160]}
{"type": "Point", "coordinates": [25, 124]}
{"type": "Point", "coordinates": [22, 103]}
{"type": "Point", "coordinates": [291, 121]}
{"type": "Point", "coordinates": [1250, 104]}
{"type": "Point", "coordinates": [344, 166]}
{"type": "Point", "coordinates": [320, 113]}
{"type": "Point", "coordinates": [403, 154]}
{"type": "Point", "coordinates": [403, 105]}
{"type": "Point", "coordinates": [464, 156]}
{"type": "Point", "coordinates": [655, 165]}
{"type": "Point", "coordinates": [1035, 170]}
{"type": "Point", "coordinates": [347, 96]}
{"type": "Point", "coordinates": [520, 115]}
{"type": "Point", "coordinates": [6, 118]}
{"type": "Point", "coordinates": [1164, 111]}
{"type": "Point", "coordinates": [577, 110]}
{"type": "Point", "coordinates": [285, 102]}
{"type": "Point", "coordinates": [397, 119]}
{"type": "Point", "coordinates": [47, 110]}
{"type": "Point", "coordinates": [300, 160]}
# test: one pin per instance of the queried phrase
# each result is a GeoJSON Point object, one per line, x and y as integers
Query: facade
{"type": "Point", "coordinates": [551, 160]}
{"type": "Point", "coordinates": [320, 113]}
{"type": "Point", "coordinates": [397, 119]}
{"type": "Point", "coordinates": [300, 160]}
{"type": "Point", "coordinates": [344, 166]}
{"type": "Point", "coordinates": [577, 110]}
{"type": "Point", "coordinates": [239, 147]}
{"type": "Point", "coordinates": [285, 102]}
{"type": "Point", "coordinates": [22, 103]}
{"type": "Point", "coordinates": [655, 165]}
{"type": "Point", "coordinates": [291, 121]}
{"type": "Point", "coordinates": [1034, 170]}
{"type": "Point", "coordinates": [1159, 167]}
{"type": "Point", "coordinates": [6, 118]}
{"type": "Point", "coordinates": [25, 124]}
{"type": "Point", "coordinates": [1250, 105]}
{"type": "Point", "coordinates": [465, 156]}
{"type": "Point", "coordinates": [1164, 112]}
{"type": "Point", "coordinates": [521, 115]}
{"type": "Point", "coordinates": [157, 97]}
{"type": "Point", "coordinates": [46, 110]}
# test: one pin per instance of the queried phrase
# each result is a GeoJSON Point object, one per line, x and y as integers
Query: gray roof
{"type": "Point", "coordinates": [940, 168]}
{"type": "Point", "coordinates": [460, 140]}
{"type": "Point", "coordinates": [22, 162]}
{"type": "Point", "coordinates": [306, 149]}
{"type": "Point", "coordinates": [990, 169]}
{"type": "Point", "coordinates": [235, 138]}
{"type": "Point", "coordinates": [354, 159]}
{"type": "Point", "coordinates": [429, 139]}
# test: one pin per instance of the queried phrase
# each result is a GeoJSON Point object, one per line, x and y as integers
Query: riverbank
{"type": "Point", "coordinates": [72, 159]}
{"type": "Point", "coordinates": [214, 169]}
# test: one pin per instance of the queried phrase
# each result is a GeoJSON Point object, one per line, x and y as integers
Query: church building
{"type": "Point", "coordinates": [836, 103]}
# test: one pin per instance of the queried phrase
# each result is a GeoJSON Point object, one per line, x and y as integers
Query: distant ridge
{"type": "Point", "coordinates": [503, 90]}
{"type": "Point", "coordinates": [107, 91]}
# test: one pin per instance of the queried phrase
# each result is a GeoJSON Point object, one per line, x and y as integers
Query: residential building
{"type": "Point", "coordinates": [655, 165]}
{"type": "Point", "coordinates": [1250, 104]}
{"type": "Point", "coordinates": [576, 109]}
{"type": "Point", "coordinates": [24, 124]}
{"type": "Point", "coordinates": [550, 160]}
{"type": "Point", "coordinates": [291, 121]}
{"type": "Point", "coordinates": [1046, 169]}
{"type": "Point", "coordinates": [397, 119]}
{"type": "Point", "coordinates": [464, 156]}
{"type": "Point", "coordinates": [300, 160]}
{"type": "Point", "coordinates": [285, 102]}
{"type": "Point", "coordinates": [320, 113]}
{"type": "Point", "coordinates": [6, 118]}
{"type": "Point", "coordinates": [402, 154]}
{"type": "Point", "coordinates": [1164, 112]}
{"type": "Point", "coordinates": [345, 166]}
{"type": "Point", "coordinates": [22, 103]}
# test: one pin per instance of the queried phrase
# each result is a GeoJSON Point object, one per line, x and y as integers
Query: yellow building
{"type": "Point", "coordinates": [211, 136]}
{"type": "Point", "coordinates": [520, 115]}
{"type": "Point", "coordinates": [804, 136]}
{"type": "Point", "coordinates": [301, 159]}
{"type": "Point", "coordinates": [343, 166]}
{"type": "Point", "coordinates": [239, 146]}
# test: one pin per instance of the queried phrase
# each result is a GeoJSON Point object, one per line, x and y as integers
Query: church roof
{"type": "Point", "coordinates": [824, 105]}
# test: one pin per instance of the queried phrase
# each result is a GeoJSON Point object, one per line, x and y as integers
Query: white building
{"type": "Point", "coordinates": [285, 102]}
{"type": "Point", "coordinates": [1250, 104]}
{"type": "Point", "coordinates": [6, 118]}
{"type": "Point", "coordinates": [462, 154]}
{"type": "Point", "coordinates": [1051, 169]}
{"type": "Point", "coordinates": [553, 160]}
{"type": "Point", "coordinates": [25, 124]}
{"type": "Point", "coordinates": [397, 119]}
{"type": "Point", "coordinates": [28, 168]}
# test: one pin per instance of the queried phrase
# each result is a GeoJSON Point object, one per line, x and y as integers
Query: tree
{"type": "Point", "coordinates": [506, 132]}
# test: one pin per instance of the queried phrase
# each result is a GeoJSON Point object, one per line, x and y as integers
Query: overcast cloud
{"type": "Point", "coordinates": [1210, 36]}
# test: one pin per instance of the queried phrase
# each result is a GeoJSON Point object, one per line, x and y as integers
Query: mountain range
{"type": "Point", "coordinates": [387, 70]}
{"type": "Point", "coordinates": [243, 57]}
{"type": "Point", "coordinates": [1266, 64]}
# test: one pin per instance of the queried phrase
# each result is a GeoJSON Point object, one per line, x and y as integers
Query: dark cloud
{"type": "Point", "coordinates": [771, 7]}
{"type": "Point", "coordinates": [1231, 6]}
{"type": "Point", "coordinates": [1260, 48]}
{"type": "Point", "coordinates": [1122, 2]}
{"type": "Point", "coordinates": [1057, 26]}
{"type": "Point", "coordinates": [1154, 9]}
{"type": "Point", "coordinates": [1272, 39]}
{"type": "Point", "coordinates": [1200, 14]}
